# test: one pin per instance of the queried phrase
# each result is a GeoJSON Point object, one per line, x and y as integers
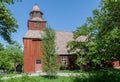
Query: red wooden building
{"type": "Point", "coordinates": [32, 42]}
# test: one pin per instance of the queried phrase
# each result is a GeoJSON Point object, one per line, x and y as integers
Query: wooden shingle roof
{"type": "Point", "coordinates": [35, 8]}
{"type": "Point", "coordinates": [62, 38]}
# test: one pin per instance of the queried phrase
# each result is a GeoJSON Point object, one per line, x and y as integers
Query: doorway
{"type": "Point", "coordinates": [38, 66]}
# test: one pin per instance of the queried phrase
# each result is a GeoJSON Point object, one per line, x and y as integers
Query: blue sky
{"type": "Point", "coordinates": [65, 15]}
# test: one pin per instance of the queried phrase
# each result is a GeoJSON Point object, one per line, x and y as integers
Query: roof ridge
{"type": "Point", "coordinates": [62, 31]}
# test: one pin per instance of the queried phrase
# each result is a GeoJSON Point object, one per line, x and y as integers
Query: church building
{"type": "Point", "coordinates": [32, 42]}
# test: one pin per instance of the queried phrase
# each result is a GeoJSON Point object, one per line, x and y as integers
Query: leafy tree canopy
{"type": "Point", "coordinates": [49, 52]}
{"type": "Point", "coordinates": [11, 56]}
{"type": "Point", "coordinates": [8, 24]}
{"type": "Point", "coordinates": [9, 1]}
{"type": "Point", "coordinates": [103, 32]}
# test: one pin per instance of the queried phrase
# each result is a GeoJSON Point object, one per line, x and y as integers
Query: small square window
{"type": "Point", "coordinates": [38, 61]}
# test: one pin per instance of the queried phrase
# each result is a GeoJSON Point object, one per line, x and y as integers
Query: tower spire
{"type": "Point", "coordinates": [36, 21]}
{"type": "Point", "coordinates": [36, 7]}
{"type": "Point", "coordinates": [36, 14]}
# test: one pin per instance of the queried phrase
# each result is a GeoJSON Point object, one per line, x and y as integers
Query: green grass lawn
{"type": "Point", "coordinates": [39, 79]}
{"type": "Point", "coordinates": [109, 75]}
{"type": "Point", "coordinates": [8, 75]}
{"type": "Point", "coordinates": [70, 71]}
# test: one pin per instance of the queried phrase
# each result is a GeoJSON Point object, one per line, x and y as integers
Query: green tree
{"type": "Point", "coordinates": [15, 54]}
{"type": "Point", "coordinates": [5, 64]}
{"type": "Point", "coordinates": [1, 47]}
{"type": "Point", "coordinates": [50, 64]}
{"type": "Point", "coordinates": [8, 23]}
{"type": "Point", "coordinates": [103, 32]}
{"type": "Point", "coordinates": [11, 56]}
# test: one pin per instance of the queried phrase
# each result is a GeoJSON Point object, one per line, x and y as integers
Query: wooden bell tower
{"type": "Point", "coordinates": [32, 41]}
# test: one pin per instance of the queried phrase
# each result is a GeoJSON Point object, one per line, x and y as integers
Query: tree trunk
{"type": "Point", "coordinates": [14, 66]}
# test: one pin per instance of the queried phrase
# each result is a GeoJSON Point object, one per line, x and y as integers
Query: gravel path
{"type": "Point", "coordinates": [42, 74]}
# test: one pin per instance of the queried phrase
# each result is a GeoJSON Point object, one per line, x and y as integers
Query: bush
{"type": "Point", "coordinates": [99, 76]}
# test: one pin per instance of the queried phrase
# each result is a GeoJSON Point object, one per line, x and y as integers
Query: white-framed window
{"type": "Point", "coordinates": [63, 60]}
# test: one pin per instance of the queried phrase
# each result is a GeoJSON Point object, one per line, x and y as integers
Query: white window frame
{"type": "Point", "coordinates": [64, 60]}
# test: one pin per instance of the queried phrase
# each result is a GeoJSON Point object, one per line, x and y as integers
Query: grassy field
{"type": "Point", "coordinates": [8, 75]}
{"type": "Point", "coordinates": [38, 79]}
{"type": "Point", "coordinates": [111, 75]}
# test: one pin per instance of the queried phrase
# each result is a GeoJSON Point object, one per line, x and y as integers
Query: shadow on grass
{"type": "Point", "coordinates": [50, 77]}
{"type": "Point", "coordinates": [112, 75]}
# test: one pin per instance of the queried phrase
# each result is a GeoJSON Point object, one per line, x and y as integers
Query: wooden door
{"type": "Point", "coordinates": [38, 66]}
{"type": "Point", "coordinates": [37, 55]}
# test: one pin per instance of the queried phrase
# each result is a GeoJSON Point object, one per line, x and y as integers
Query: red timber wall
{"type": "Point", "coordinates": [31, 54]}
{"type": "Point", "coordinates": [71, 62]}
{"type": "Point", "coordinates": [36, 25]}
{"type": "Point", "coordinates": [116, 64]}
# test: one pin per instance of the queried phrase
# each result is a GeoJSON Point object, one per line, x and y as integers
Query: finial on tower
{"type": "Point", "coordinates": [35, 7]}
